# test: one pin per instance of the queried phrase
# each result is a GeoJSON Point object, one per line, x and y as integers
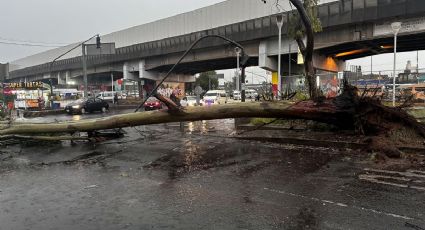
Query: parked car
{"type": "Point", "coordinates": [152, 104]}
{"type": "Point", "coordinates": [87, 106]}
{"type": "Point", "coordinates": [190, 101]}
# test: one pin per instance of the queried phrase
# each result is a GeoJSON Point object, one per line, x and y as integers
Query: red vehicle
{"type": "Point", "coordinates": [152, 104]}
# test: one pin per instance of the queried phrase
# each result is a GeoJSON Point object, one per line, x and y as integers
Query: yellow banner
{"type": "Point", "coordinates": [275, 80]}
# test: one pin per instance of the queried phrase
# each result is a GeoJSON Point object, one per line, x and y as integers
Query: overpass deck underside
{"type": "Point", "coordinates": [364, 48]}
{"type": "Point", "coordinates": [192, 68]}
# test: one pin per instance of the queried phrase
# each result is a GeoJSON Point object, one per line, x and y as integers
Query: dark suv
{"type": "Point", "coordinates": [87, 106]}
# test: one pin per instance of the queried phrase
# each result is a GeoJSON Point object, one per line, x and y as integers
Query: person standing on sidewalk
{"type": "Point", "coordinates": [116, 98]}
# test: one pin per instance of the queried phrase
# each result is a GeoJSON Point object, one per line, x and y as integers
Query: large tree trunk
{"type": "Point", "coordinates": [327, 112]}
{"type": "Point", "coordinates": [388, 127]}
{"type": "Point", "coordinates": [307, 50]}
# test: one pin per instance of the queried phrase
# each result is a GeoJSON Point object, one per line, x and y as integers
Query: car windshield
{"type": "Point", "coordinates": [211, 95]}
{"type": "Point", "coordinates": [191, 98]}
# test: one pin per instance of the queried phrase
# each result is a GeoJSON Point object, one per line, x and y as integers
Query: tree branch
{"type": "Point", "coordinates": [168, 102]}
{"type": "Point", "coordinates": [308, 29]}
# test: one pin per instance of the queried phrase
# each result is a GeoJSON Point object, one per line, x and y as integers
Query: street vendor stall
{"type": "Point", "coordinates": [28, 95]}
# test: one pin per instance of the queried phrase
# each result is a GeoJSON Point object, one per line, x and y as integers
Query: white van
{"type": "Point", "coordinates": [237, 95]}
{"type": "Point", "coordinates": [251, 94]}
{"type": "Point", "coordinates": [215, 97]}
{"type": "Point", "coordinates": [109, 95]}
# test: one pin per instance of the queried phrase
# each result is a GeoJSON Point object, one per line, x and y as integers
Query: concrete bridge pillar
{"type": "Point", "coordinates": [130, 71]}
{"type": "Point", "coordinates": [61, 78]}
{"type": "Point", "coordinates": [144, 74]}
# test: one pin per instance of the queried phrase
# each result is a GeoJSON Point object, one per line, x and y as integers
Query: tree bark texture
{"type": "Point", "coordinates": [327, 112]}
{"type": "Point", "coordinates": [307, 50]}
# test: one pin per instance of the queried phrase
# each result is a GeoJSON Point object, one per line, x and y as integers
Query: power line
{"type": "Point", "coordinates": [27, 44]}
{"type": "Point", "coordinates": [31, 42]}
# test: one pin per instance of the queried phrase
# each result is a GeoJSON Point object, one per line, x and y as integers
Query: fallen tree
{"type": "Point", "coordinates": [327, 112]}
{"type": "Point", "coordinates": [348, 111]}
{"type": "Point", "coordinates": [386, 126]}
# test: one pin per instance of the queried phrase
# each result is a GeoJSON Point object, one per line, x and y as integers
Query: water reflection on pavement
{"type": "Point", "coordinates": [74, 117]}
{"type": "Point", "coordinates": [160, 177]}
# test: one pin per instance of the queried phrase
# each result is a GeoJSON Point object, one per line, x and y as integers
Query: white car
{"type": "Point", "coordinates": [190, 101]}
{"type": "Point", "coordinates": [215, 97]}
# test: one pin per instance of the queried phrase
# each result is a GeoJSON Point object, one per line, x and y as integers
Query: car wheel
{"type": "Point", "coordinates": [83, 111]}
{"type": "Point", "coordinates": [104, 109]}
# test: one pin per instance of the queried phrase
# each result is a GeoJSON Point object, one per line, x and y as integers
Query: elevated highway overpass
{"type": "Point", "coordinates": [351, 29]}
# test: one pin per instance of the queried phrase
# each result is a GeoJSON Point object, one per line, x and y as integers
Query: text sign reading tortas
{"type": "Point", "coordinates": [24, 85]}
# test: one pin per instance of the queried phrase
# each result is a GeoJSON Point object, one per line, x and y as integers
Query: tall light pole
{"type": "Point", "coordinates": [279, 22]}
{"type": "Point", "coordinates": [84, 60]}
{"type": "Point", "coordinates": [238, 54]}
{"type": "Point", "coordinates": [289, 69]}
{"type": "Point", "coordinates": [396, 26]}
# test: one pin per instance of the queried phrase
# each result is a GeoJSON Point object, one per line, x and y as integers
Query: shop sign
{"type": "Point", "coordinates": [24, 85]}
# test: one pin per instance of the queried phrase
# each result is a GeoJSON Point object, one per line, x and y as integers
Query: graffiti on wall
{"type": "Point", "coordinates": [167, 88]}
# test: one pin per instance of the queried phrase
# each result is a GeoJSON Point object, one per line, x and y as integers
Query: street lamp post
{"type": "Point", "coordinates": [238, 53]}
{"type": "Point", "coordinates": [279, 22]}
{"type": "Point", "coordinates": [83, 46]}
{"type": "Point", "coordinates": [289, 69]}
{"type": "Point", "coordinates": [396, 26]}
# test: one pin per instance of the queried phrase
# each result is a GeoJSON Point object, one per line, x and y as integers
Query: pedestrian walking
{"type": "Point", "coordinates": [116, 98]}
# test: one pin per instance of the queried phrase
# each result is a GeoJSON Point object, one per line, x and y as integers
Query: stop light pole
{"type": "Point", "coordinates": [98, 44]}
{"type": "Point", "coordinates": [84, 70]}
{"type": "Point", "coordinates": [83, 46]}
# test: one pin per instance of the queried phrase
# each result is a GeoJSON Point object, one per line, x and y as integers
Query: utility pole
{"type": "Point", "coordinates": [396, 26]}
{"type": "Point", "coordinates": [289, 68]}
{"type": "Point", "coordinates": [417, 65]}
{"type": "Point", "coordinates": [112, 84]}
{"type": "Point", "coordinates": [83, 46]}
{"type": "Point", "coordinates": [243, 84]}
{"type": "Point", "coordinates": [238, 80]}
{"type": "Point", "coordinates": [279, 22]}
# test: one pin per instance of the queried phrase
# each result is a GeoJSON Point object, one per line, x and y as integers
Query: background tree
{"type": "Point", "coordinates": [304, 25]}
{"type": "Point", "coordinates": [204, 80]}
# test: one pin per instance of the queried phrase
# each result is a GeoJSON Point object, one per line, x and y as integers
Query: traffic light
{"type": "Point", "coordinates": [98, 44]}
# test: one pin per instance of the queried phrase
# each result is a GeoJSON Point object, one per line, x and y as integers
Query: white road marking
{"type": "Point", "coordinates": [409, 178]}
{"type": "Point", "coordinates": [409, 173]}
{"type": "Point", "coordinates": [341, 204]}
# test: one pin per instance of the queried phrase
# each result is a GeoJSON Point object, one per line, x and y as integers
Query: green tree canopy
{"type": "Point", "coordinates": [204, 80]}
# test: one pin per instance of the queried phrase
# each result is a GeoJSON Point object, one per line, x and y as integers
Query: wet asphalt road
{"type": "Point", "coordinates": [158, 177]}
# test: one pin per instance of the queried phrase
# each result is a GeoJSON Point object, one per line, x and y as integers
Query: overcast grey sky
{"type": "Point", "coordinates": [58, 22]}
{"type": "Point", "coordinates": [67, 21]}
